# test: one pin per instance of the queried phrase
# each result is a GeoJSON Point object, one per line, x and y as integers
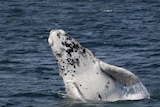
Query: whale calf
{"type": "Point", "coordinates": [87, 78]}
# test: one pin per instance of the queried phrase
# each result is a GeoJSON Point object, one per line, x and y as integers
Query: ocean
{"type": "Point", "coordinates": [124, 33]}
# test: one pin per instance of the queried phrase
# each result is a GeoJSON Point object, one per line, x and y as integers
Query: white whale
{"type": "Point", "coordinates": [88, 78]}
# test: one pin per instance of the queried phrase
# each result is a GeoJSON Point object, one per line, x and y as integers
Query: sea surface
{"type": "Point", "coordinates": [124, 33]}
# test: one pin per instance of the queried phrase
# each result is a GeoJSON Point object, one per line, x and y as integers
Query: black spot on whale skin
{"type": "Point", "coordinates": [71, 45]}
{"type": "Point", "coordinates": [68, 38]}
{"type": "Point", "coordinates": [107, 86]}
{"type": "Point", "coordinates": [66, 44]}
{"type": "Point", "coordinates": [62, 69]}
{"type": "Point", "coordinates": [75, 46]}
{"type": "Point", "coordinates": [108, 82]}
{"type": "Point", "coordinates": [77, 61]}
{"type": "Point", "coordinates": [58, 34]}
{"type": "Point", "coordinates": [69, 51]}
{"type": "Point", "coordinates": [59, 55]}
{"type": "Point", "coordinates": [84, 50]}
{"type": "Point", "coordinates": [73, 62]}
{"type": "Point", "coordinates": [70, 61]}
{"type": "Point", "coordinates": [99, 96]}
{"type": "Point", "coordinates": [93, 61]}
{"type": "Point", "coordinates": [63, 43]}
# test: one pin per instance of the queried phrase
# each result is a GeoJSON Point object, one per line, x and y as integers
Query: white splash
{"type": "Point", "coordinates": [135, 92]}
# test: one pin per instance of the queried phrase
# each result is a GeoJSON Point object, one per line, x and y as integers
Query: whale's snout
{"type": "Point", "coordinates": [50, 41]}
{"type": "Point", "coordinates": [55, 32]}
{"type": "Point", "coordinates": [56, 35]}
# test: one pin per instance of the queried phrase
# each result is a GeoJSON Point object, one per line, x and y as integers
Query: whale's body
{"type": "Point", "coordinates": [88, 78]}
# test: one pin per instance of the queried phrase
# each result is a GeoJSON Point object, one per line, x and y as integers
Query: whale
{"type": "Point", "coordinates": [88, 78]}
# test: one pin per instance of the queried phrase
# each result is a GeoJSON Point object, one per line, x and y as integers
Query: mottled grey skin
{"type": "Point", "coordinates": [85, 76]}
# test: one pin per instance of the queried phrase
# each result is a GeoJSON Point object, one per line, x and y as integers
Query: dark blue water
{"type": "Point", "coordinates": [125, 33]}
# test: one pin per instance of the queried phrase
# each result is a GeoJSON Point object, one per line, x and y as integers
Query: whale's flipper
{"type": "Point", "coordinates": [122, 75]}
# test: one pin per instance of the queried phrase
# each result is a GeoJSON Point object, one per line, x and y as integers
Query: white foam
{"type": "Point", "coordinates": [135, 92]}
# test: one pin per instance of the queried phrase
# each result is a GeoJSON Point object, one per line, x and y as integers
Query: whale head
{"type": "Point", "coordinates": [63, 45]}
{"type": "Point", "coordinates": [69, 53]}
